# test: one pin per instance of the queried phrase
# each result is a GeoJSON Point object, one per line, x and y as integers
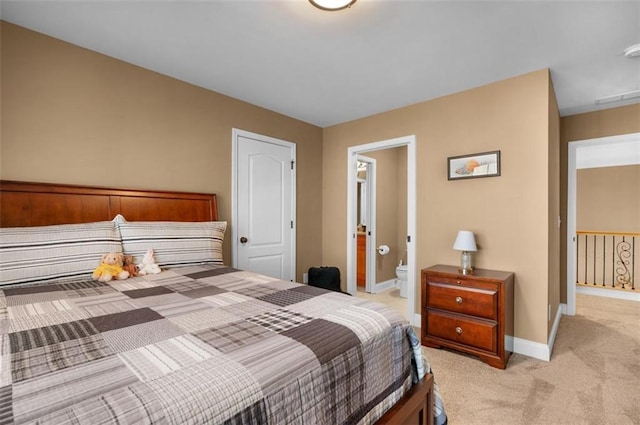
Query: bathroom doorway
{"type": "Point", "coordinates": [366, 222]}
{"type": "Point", "coordinates": [382, 264]}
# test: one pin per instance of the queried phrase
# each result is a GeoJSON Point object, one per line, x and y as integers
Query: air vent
{"type": "Point", "coordinates": [618, 97]}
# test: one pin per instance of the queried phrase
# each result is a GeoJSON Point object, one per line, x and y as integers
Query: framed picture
{"type": "Point", "coordinates": [485, 164]}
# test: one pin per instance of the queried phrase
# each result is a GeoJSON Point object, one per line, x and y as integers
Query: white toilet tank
{"type": "Point", "coordinates": [401, 274]}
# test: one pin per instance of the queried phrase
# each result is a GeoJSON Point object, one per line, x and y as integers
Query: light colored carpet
{"type": "Point", "coordinates": [593, 376]}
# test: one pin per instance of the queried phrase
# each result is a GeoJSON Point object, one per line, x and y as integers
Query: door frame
{"type": "Point", "coordinates": [370, 184]}
{"type": "Point", "coordinates": [235, 134]}
{"type": "Point", "coordinates": [352, 154]}
{"type": "Point", "coordinates": [572, 167]}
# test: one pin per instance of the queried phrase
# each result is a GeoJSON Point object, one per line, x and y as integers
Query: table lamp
{"type": "Point", "coordinates": [465, 242]}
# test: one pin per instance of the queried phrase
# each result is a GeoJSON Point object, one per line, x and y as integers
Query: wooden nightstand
{"type": "Point", "coordinates": [469, 313]}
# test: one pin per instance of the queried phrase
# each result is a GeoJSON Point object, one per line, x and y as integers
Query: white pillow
{"type": "Point", "coordinates": [173, 242]}
{"type": "Point", "coordinates": [29, 254]}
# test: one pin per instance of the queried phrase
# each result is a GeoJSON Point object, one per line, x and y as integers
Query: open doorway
{"type": "Point", "coordinates": [375, 245]}
{"type": "Point", "coordinates": [601, 152]}
{"type": "Point", "coordinates": [366, 196]}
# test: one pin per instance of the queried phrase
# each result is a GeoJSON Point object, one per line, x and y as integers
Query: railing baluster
{"type": "Point", "coordinates": [604, 253]}
{"type": "Point", "coordinates": [633, 265]}
{"type": "Point", "coordinates": [622, 260]}
{"type": "Point", "coordinates": [613, 261]}
{"type": "Point", "coordinates": [577, 256]}
{"type": "Point", "coordinates": [594, 260]}
{"type": "Point", "coordinates": [586, 256]}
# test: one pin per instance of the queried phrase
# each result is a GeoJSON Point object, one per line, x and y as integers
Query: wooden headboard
{"type": "Point", "coordinates": [40, 204]}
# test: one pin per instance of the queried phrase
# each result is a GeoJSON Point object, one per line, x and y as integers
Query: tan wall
{"type": "Point", "coordinates": [554, 210]}
{"type": "Point", "coordinates": [608, 199]}
{"type": "Point", "coordinates": [70, 115]}
{"type": "Point", "coordinates": [509, 214]}
{"type": "Point", "coordinates": [592, 125]}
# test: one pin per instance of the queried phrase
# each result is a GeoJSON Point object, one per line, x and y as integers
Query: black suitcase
{"type": "Point", "coordinates": [325, 277]}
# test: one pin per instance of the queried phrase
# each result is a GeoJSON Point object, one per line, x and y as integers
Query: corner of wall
{"type": "Point", "coordinates": [534, 349]}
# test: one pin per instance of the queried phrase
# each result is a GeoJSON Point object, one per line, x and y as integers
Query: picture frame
{"type": "Point", "coordinates": [483, 164]}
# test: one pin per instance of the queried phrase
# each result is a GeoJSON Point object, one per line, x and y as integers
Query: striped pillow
{"type": "Point", "coordinates": [173, 242]}
{"type": "Point", "coordinates": [29, 254]}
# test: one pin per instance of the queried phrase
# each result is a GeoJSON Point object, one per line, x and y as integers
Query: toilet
{"type": "Point", "coordinates": [401, 274]}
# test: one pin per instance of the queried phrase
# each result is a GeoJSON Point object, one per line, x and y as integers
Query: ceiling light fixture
{"type": "Point", "coordinates": [332, 5]}
{"type": "Point", "coordinates": [633, 51]}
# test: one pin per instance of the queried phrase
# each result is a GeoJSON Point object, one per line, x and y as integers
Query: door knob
{"type": "Point", "coordinates": [243, 240]}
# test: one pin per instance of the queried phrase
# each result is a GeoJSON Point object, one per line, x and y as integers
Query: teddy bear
{"type": "Point", "coordinates": [110, 268]}
{"type": "Point", "coordinates": [129, 266]}
{"type": "Point", "coordinates": [148, 265]}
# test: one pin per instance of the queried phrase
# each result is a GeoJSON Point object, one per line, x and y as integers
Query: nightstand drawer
{"type": "Point", "coordinates": [466, 281]}
{"type": "Point", "coordinates": [474, 333]}
{"type": "Point", "coordinates": [465, 300]}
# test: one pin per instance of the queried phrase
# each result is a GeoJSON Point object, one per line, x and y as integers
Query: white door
{"type": "Point", "coordinates": [263, 228]}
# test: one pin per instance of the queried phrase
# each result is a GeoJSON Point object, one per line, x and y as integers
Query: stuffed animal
{"type": "Point", "coordinates": [148, 265]}
{"type": "Point", "coordinates": [129, 266]}
{"type": "Point", "coordinates": [110, 268]}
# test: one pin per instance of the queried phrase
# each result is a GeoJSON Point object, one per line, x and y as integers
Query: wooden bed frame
{"type": "Point", "coordinates": [25, 204]}
{"type": "Point", "coordinates": [41, 204]}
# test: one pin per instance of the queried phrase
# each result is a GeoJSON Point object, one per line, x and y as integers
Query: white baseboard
{"type": "Point", "coordinates": [383, 286]}
{"type": "Point", "coordinates": [618, 294]}
{"type": "Point", "coordinates": [523, 346]}
{"type": "Point", "coordinates": [554, 328]}
{"type": "Point", "coordinates": [537, 350]}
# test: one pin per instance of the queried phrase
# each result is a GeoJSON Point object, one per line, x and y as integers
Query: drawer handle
{"type": "Point", "coordinates": [459, 330]}
{"type": "Point", "coordinates": [459, 300]}
{"type": "Point", "coordinates": [458, 282]}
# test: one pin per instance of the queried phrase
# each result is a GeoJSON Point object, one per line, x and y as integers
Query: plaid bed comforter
{"type": "Point", "coordinates": [200, 344]}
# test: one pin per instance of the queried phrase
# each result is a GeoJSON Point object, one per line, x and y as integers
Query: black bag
{"type": "Point", "coordinates": [325, 277]}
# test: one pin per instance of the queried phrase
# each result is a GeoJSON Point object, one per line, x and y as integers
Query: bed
{"type": "Point", "coordinates": [200, 342]}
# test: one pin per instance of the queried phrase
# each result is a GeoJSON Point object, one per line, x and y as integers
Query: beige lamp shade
{"type": "Point", "coordinates": [465, 241]}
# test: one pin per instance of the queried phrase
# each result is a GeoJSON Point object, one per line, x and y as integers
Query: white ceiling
{"type": "Point", "coordinates": [331, 67]}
